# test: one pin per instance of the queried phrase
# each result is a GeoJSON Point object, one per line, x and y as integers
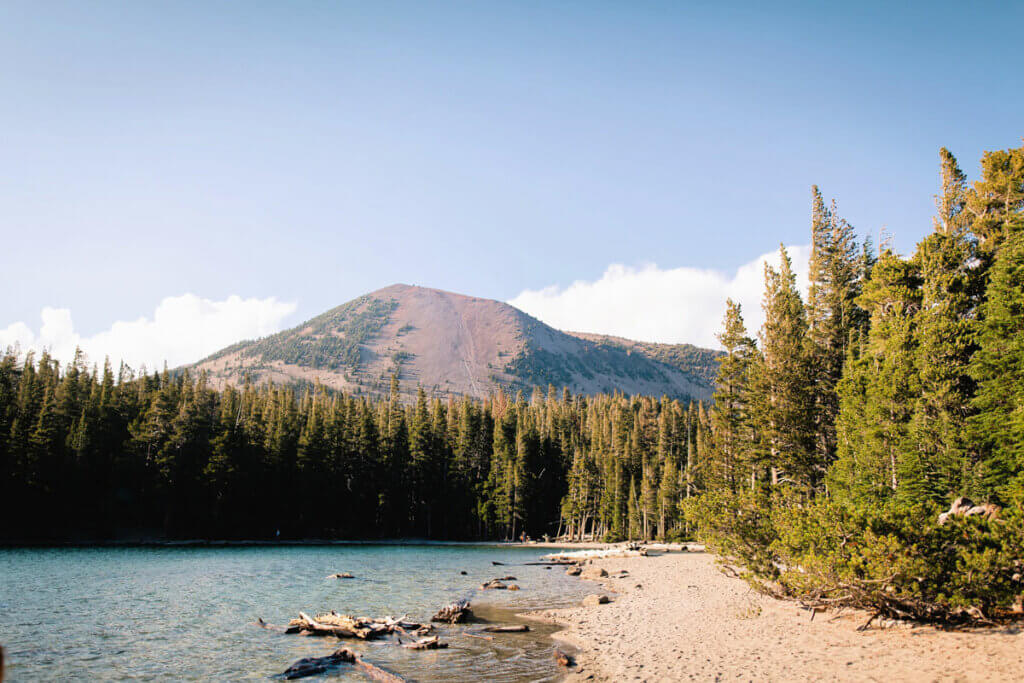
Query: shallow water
{"type": "Point", "coordinates": [188, 612]}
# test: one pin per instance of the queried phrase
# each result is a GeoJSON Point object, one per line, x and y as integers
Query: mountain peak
{"type": "Point", "coordinates": [450, 344]}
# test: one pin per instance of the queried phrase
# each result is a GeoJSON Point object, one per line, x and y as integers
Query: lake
{"type": "Point", "coordinates": [187, 612]}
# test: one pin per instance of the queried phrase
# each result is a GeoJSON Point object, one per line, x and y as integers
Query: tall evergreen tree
{"type": "Point", "coordinates": [783, 394]}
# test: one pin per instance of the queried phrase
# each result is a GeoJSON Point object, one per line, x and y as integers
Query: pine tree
{"type": "Point", "coordinates": [783, 393]}
{"type": "Point", "coordinates": [732, 463]}
{"type": "Point", "coordinates": [880, 382]}
{"type": "Point", "coordinates": [951, 290]}
{"type": "Point", "coordinates": [998, 367]}
{"type": "Point", "coordinates": [832, 314]}
{"type": "Point", "coordinates": [997, 197]}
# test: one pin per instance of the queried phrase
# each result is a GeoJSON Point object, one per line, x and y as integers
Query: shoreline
{"type": "Point", "coordinates": [676, 616]}
{"type": "Point", "coordinates": [221, 543]}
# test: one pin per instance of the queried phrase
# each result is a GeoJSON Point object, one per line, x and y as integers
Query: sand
{"type": "Point", "coordinates": [688, 621]}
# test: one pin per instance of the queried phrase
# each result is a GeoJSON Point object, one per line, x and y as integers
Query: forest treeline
{"type": "Point", "coordinates": [91, 453]}
{"type": "Point", "coordinates": [860, 414]}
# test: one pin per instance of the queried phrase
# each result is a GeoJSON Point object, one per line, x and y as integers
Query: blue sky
{"type": "Point", "coordinates": [312, 151]}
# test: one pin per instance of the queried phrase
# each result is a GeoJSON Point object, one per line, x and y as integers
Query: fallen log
{"type": "Point", "coordinates": [454, 613]}
{"type": "Point", "coordinates": [964, 506]}
{"type": "Point", "coordinates": [515, 628]}
{"type": "Point", "coordinates": [475, 635]}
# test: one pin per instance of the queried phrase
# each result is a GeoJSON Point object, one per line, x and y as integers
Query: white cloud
{"type": "Point", "coordinates": [649, 303]}
{"type": "Point", "coordinates": [183, 329]}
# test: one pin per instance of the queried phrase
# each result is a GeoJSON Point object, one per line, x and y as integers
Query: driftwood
{"type": "Point", "coordinates": [270, 627]}
{"type": "Point", "coordinates": [515, 628]}
{"type": "Point", "coordinates": [341, 575]}
{"type": "Point", "coordinates": [964, 506]}
{"type": "Point", "coordinates": [431, 643]}
{"type": "Point", "coordinates": [454, 613]}
{"type": "Point", "coordinates": [307, 625]}
{"type": "Point", "coordinates": [497, 564]}
{"type": "Point", "coordinates": [476, 635]}
{"type": "Point", "coordinates": [311, 666]}
{"type": "Point", "coordinates": [343, 626]}
{"type": "Point", "coordinates": [562, 659]}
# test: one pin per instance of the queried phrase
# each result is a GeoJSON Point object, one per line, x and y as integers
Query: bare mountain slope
{"type": "Point", "coordinates": [449, 344]}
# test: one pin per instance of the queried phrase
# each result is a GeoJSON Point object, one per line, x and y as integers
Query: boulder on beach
{"type": "Point", "coordinates": [594, 573]}
{"type": "Point", "coordinates": [595, 600]}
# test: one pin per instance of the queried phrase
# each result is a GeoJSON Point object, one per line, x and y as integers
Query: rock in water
{"type": "Point", "coordinates": [562, 659]}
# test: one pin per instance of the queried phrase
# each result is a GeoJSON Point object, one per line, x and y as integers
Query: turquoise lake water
{"type": "Point", "coordinates": [175, 613]}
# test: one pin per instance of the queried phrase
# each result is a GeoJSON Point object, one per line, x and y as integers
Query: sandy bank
{"type": "Point", "coordinates": [688, 621]}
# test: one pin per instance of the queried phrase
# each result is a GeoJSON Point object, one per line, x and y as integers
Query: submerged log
{"type": "Point", "coordinates": [515, 628]}
{"type": "Point", "coordinates": [311, 666]}
{"type": "Point", "coordinates": [270, 627]}
{"type": "Point", "coordinates": [454, 613]}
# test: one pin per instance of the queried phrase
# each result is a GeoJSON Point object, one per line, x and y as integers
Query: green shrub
{"type": "Point", "coordinates": [892, 559]}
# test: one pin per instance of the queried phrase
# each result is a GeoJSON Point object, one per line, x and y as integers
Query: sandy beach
{"type": "Point", "coordinates": [678, 617]}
